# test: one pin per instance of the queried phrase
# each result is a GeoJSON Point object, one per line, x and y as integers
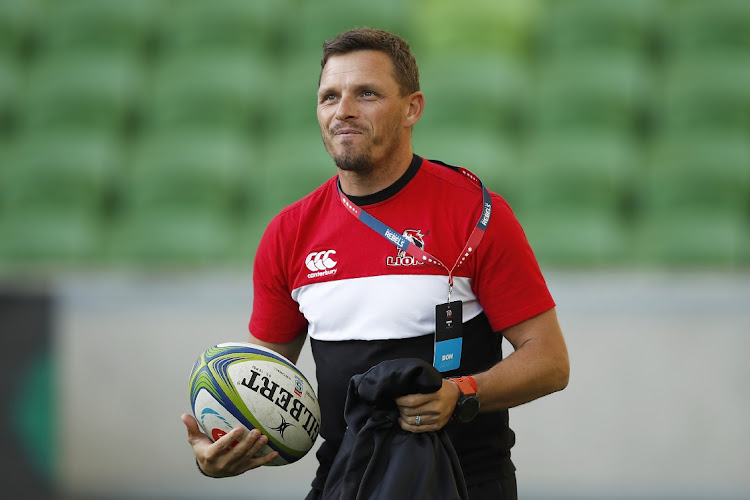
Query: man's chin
{"type": "Point", "coordinates": [351, 163]}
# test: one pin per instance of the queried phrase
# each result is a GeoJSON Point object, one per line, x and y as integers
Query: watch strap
{"type": "Point", "coordinates": [467, 385]}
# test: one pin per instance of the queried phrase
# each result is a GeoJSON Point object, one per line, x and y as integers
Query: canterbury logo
{"type": "Point", "coordinates": [320, 261]}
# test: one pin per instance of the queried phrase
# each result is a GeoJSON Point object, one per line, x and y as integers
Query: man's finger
{"type": "Point", "coordinates": [408, 424]}
{"type": "Point", "coordinates": [412, 400]}
{"type": "Point", "coordinates": [257, 445]}
{"type": "Point", "coordinates": [267, 458]}
{"type": "Point", "coordinates": [193, 430]}
{"type": "Point", "coordinates": [231, 439]}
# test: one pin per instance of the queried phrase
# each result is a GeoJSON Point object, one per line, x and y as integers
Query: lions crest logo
{"type": "Point", "coordinates": [404, 259]}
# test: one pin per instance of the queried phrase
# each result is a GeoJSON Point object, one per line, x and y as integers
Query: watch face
{"type": "Point", "coordinates": [467, 408]}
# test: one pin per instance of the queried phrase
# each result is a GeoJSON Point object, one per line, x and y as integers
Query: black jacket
{"type": "Point", "coordinates": [379, 460]}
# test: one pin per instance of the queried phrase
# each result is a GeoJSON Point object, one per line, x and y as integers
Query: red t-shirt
{"type": "Point", "coordinates": [319, 270]}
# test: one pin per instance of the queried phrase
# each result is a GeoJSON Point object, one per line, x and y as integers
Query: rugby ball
{"type": "Point", "coordinates": [241, 384]}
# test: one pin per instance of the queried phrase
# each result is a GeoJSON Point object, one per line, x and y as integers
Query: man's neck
{"type": "Point", "coordinates": [374, 179]}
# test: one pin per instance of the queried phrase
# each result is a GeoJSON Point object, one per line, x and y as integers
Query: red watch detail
{"type": "Point", "coordinates": [467, 385]}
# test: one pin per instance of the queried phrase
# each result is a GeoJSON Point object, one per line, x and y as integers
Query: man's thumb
{"type": "Point", "coordinates": [193, 430]}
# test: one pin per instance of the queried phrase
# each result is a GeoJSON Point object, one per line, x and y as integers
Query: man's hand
{"type": "Point", "coordinates": [434, 410]}
{"type": "Point", "coordinates": [231, 454]}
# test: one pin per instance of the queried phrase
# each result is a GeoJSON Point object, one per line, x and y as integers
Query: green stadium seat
{"type": "Point", "coordinates": [699, 29]}
{"type": "Point", "coordinates": [694, 205]}
{"type": "Point", "coordinates": [296, 96]}
{"type": "Point", "coordinates": [705, 96]}
{"type": "Point", "coordinates": [219, 26]}
{"type": "Point", "coordinates": [576, 238]}
{"type": "Point", "coordinates": [472, 91]}
{"type": "Point", "coordinates": [289, 173]}
{"type": "Point", "coordinates": [324, 19]}
{"type": "Point", "coordinates": [10, 84]}
{"type": "Point", "coordinates": [207, 89]}
{"type": "Point", "coordinates": [699, 173]}
{"type": "Point", "coordinates": [489, 27]}
{"type": "Point", "coordinates": [169, 236]}
{"type": "Point", "coordinates": [576, 27]}
{"type": "Point", "coordinates": [692, 238]}
{"type": "Point", "coordinates": [62, 172]}
{"type": "Point", "coordinates": [86, 25]}
{"type": "Point", "coordinates": [81, 91]}
{"type": "Point", "coordinates": [588, 94]}
{"type": "Point", "coordinates": [45, 234]}
{"type": "Point", "coordinates": [17, 19]}
{"type": "Point", "coordinates": [184, 171]}
{"type": "Point", "coordinates": [585, 171]}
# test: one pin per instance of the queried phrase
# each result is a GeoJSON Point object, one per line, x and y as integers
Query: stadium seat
{"type": "Point", "coordinates": [296, 96]}
{"type": "Point", "coordinates": [46, 234]}
{"type": "Point", "coordinates": [694, 205]}
{"type": "Point", "coordinates": [17, 19]}
{"type": "Point", "coordinates": [65, 171]}
{"type": "Point", "coordinates": [166, 236]}
{"type": "Point", "coordinates": [289, 173]}
{"type": "Point", "coordinates": [703, 30]}
{"type": "Point", "coordinates": [206, 89]}
{"type": "Point", "coordinates": [489, 27]}
{"type": "Point", "coordinates": [219, 26]}
{"type": "Point", "coordinates": [93, 25]}
{"type": "Point", "coordinates": [186, 170]}
{"type": "Point", "coordinates": [699, 173]}
{"type": "Point", "coordinates": [576, 27]}
{"type": "Point", "coordinates": [323, 19]}
{"type": "Point", "coordinates": [10, 83]}
{"type": "Point", "coordinates": [575, 191]}
{"type": "Point", "coordinates": [576, 238]}
{"type": "Point", "coordinates": [85, 91]}
{"type": "Point", "coordinates": [579, 171]}
{"type": "Point", "coordinates": [692, 238]}
{"type": "Point", "coordinates": [588, 94]}
{"type": "Point", "coordinates": [472, 91]}
{"type": "Point", "coordinates": [705, 96]}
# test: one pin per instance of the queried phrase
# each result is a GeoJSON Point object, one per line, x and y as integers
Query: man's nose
{"type": "Point", "coordinates": [347, 108]}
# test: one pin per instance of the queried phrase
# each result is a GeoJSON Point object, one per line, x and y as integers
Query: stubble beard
{"type": "Point", "coordinates": [347, 158]}
{"type": "Point", "coordinates": [350, 160]}
{"type": "Point", "coordinates": [353, 161]}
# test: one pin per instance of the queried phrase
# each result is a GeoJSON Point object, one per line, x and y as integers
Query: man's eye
{"type": "Point", "coordinates": [368, 93]}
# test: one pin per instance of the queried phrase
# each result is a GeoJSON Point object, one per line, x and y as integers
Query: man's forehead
{"type": "Point", "coordinates": [365, 64]}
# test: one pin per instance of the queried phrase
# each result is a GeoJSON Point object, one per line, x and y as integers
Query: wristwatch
{"type": "Point", "coordinates": [467, 406]}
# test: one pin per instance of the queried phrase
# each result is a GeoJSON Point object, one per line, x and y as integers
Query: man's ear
{"type": "Point", "coordinates": [415, 109]}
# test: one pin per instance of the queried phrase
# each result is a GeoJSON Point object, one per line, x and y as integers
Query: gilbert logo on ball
{"type": "Point", "coordinates": [241, 384]}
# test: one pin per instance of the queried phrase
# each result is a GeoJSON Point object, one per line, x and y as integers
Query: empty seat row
{"type": "Point", "coordinates": [680, 27]}
{"type": "Point", "coordinates": [245, 93]}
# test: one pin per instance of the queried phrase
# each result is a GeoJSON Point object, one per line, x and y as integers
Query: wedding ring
{"type": "Point", "coordinates": [418, 420]}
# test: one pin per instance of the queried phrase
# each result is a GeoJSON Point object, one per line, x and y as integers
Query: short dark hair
{"type": "Point", "coordinates": [404, 63]}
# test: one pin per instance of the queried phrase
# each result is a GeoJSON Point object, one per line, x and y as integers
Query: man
{"type": "Point", "coordinates": [366, 291]}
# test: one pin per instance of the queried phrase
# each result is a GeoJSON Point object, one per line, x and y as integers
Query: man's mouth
{"type": "Point", "coordinates": [347, 131]}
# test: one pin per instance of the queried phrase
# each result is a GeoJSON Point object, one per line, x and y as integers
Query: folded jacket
{"type": "Point", "coordinates": [379, 460]}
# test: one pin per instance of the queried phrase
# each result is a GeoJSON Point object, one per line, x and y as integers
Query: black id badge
{"type": "Point", "coordinates": [448, 336]}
